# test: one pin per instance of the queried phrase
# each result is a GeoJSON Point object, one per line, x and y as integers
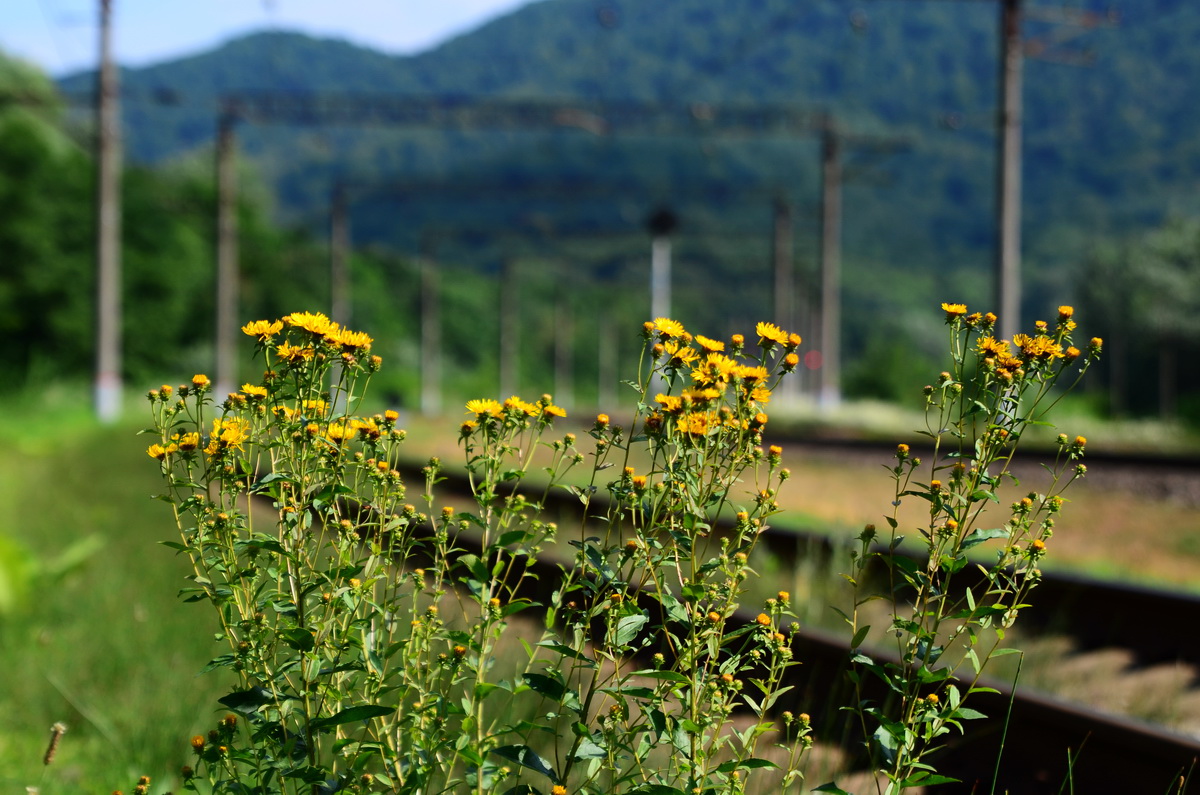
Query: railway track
{"type": "Point", "coordinates": [1045, 740]}
{"type": "Point", "coordinates": [1172, 477]}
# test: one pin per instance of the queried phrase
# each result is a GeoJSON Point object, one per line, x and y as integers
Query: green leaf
{"type": "Point", "coordinates": [588, 749]}
{"type": "Point", "coordinates": [567, 651]}
{"type": "Point", "coordinates": [984, 494]}
{"type": "Point", "coordinates": [749, 764]}
{"type": "Point", "coordinates": [553, 688]}
{"type": "Point", "coordinates": [656, 789]}
{"type": "Point", "coordinates": [355, 714]}
{"type": "Point", "coordinates": [887, 742]}
{"type": "Point", "coordinates": [670, 676]}
{"type": "Point", "coordinates": [981, 535]}
{"type": "Point", "coordinates": [628, 628]}
{"type": "Point", "coordinates": [859, 636]}
{"type": "Point", "coordinates": [831, 787]}
{"type": "Point", "coordinates": [931, 779]}
{"type": "Point", "coordinates": [526, 757]}
{"type": "Point", "coordinates": [247, 701]}
{"type": "Point", "coordinates": [299, 639]}
{"type": "Point", "coordinates": [512, 537]}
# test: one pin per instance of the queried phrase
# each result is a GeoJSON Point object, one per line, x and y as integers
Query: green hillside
{"type": "Point", "coordinates": [1111, 150]}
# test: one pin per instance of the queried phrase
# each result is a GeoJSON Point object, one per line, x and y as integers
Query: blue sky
{"type": "Point", "coordinates": [60, 35]}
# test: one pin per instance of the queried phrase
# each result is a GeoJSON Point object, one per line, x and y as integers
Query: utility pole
{"type": "Point", "coordinates": [227, 254]}
{"type": "Point", "coordinates": [1008, 266]}
{"type": "Point", "coordinates": [831, 266]}
{"type": "Point", "coordinates": [661, 224]}
{"type": "Point", "coordinates": [608, 342]}
{"type": "Point", "coordinates": [564, 346]}
{"type": "Point", "coordinates": [785, 282]}
{"type": "Point", "coordinates": [431, 331]}
{"type": "Point", "coordinates": [510, 329]}
{"type": "Point", "coordinates": [339, 257]}
{"type": "Point", "coordinates": [108, 227]}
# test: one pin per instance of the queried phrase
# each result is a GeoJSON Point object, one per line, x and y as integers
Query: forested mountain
{"type": "Point", "coordinates": [1111, 149]}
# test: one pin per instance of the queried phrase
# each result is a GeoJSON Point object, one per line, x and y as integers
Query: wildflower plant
{"type": "Point", "coordinates": [365, 619]}
{"type": "Point", "coordinates": [950, 604]}
{"type": "Point", "coordinates": [363, 630]}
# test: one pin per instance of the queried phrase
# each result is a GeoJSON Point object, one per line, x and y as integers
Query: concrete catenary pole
{"type": "Point", "coordinates": [831, 267]}
{"type": "Point", "coordinates": [1008, 265]}
{"type": "Point", "coordinates": [108, 227]}
{"type": "Point", "coordinates": [431, 331]}
{"type": "Point", "coordinates": [662, 224]}
{"type": "Point", "coordinates": [510, 329]}
{"type": "Point", "coordinates": [785, 282]}
{"type": "Point", "coordinates": [227, 256]}
{"type": "Point", "coordinates": [339, 257]}
{"type": "Point", "coordinates": [564, 346]}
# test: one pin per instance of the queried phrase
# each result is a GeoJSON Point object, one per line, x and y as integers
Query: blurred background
{"type": "Point", "coordinates": [835, 166]}
{"type": "Point", "coordinates": [500, 192]}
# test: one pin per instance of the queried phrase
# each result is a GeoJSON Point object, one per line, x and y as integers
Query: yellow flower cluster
{"type": "Point", "coordinates": [696, 410]}
{"type": "Point", "coordinates": [320, 330]}
{"type": "Point", "coordinates": [1011, 360]}
{"type": "Point", "coordinates": [515, 408]}
{"type": "Point", "coordinates": [180, 442]}
{"type": "Point", "coordinates": [227, 433]}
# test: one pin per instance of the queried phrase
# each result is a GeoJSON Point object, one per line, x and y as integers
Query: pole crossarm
{"type": "Point", "coordinates": [477, 113]}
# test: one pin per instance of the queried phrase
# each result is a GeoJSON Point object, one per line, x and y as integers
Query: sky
{"type": "Point", "coordinates": [60, 35]}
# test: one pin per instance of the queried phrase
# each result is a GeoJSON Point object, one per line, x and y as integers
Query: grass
{"type": "Point", "coordinates": [103, 646]}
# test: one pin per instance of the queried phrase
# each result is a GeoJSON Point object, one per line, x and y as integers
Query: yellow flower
{"type": "Point", "coordinates": [551, 410]}
{"type": "Point", "coordinates": [558, 789]}
{"type": "Point", "coordinates": [292, 353]}
{"type": "Point", "coordinates": [313, 322]}
{"type": "Point", "coordinates": [954, 311]}
{"type": "Point", "coordinates": [990, 346]}
{"type": "Point", "coordinates": [669, 403]}
{"type": "Point", "coordinates": [157, 451]}
{"type": "Point", "coordinates": [679, 355]}
{"type": "Point", "coordinates": [760, 394]}
{"type": "Point", "coordinates": [356, 340]}
{"type": "Point", "coordinates": [668, 328]}
{"type": "Point", "coordinates": [515, 404]}
{"type": "Point", "coordinates": [700, 396]}
{"type": "Point", "coordinates": [341, 431]}
{"type": "Point", "coordinates": [1065, 312]}
{"type": "Point", "coordinates": [484, 408]}
{"type": "Point", "coordinates": [1037, 347]}
{"type": "Point", "coordinates": [697, 423]}
{"type": "Point", "coordinates": [368, 429]}
{"type": "Point", "coordinates": [188, 441]}
{"type": "Point", "coordinates": [713, 369]}
{"type": "Point", "coordinates": [770, 334]}
{"type": "Point", "coordinates": [752, 375]}
{"type": "Point", "coordinates": [230, 432]}
{"type": "Point", "coordinates": [709, 345]}
{"type": "Point", "coordinates": [254, 392]}
{"type": "Point", "coordinates": [263, 329]}
{"type": "Point", "coordinates": [200, 381]}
